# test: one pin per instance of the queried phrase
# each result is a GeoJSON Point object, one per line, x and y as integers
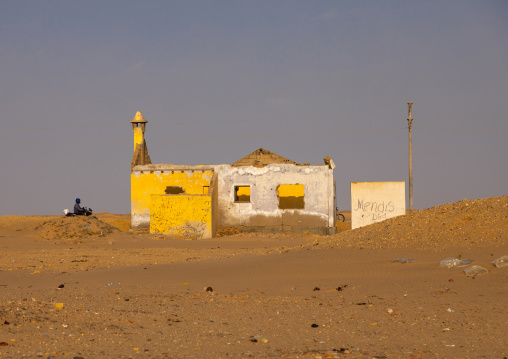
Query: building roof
{"type": "Point", "coordinates": [138, 118]}
{"type": "Point", "coordinates": [261, 158]}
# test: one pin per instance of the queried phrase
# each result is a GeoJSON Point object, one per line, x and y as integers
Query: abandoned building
{"type": "Point", "coordinates": [262, 192]}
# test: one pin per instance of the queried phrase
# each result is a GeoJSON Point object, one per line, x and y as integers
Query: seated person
{"type": "Point", "coordinates": [78, 210]}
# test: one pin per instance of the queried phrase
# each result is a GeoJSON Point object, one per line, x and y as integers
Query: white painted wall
{"type": "Point", "coordinates": [373, 202]}
{"type": "Point", "coordinates": [318, 190]}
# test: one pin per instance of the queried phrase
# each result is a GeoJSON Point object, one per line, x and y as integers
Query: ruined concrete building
{"type": "Point", "coordinates": [262, 192]}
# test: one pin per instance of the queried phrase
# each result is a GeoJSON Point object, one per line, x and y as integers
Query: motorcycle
{"type": "Point", "coordinates": [88, 212]}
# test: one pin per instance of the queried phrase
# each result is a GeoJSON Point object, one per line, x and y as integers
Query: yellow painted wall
{"type": "Point", "coordinates": [143, 185]}
{"type": "Point", "coordinates": [186, 215]}
{"type": "Point", "coordinates": [138, 136]}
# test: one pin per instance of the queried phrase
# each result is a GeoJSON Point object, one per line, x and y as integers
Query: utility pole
{"type": "Point", "coordinates": [410, 124]}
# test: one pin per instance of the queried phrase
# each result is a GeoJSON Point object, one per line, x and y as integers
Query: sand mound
{"type": "Point", "coordinates": [10, 225]}
{"type": "Point", "coordinates": [461, 224]}
{"type": "Point", "coordinates": [78, 227]}
{"type": "Point", "coordinates": [120, 221]}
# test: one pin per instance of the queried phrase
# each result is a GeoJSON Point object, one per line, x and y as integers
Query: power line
{"type": "Point", "coordinates": [201, 138]}
{"type": "Point", "coordinates": [269, 119]}
{"type": "Point", "coordinates": [191, 122]}
{"type": "Point", "coordinates": [248, 135]}
{"type": "Point", "coordinates": [279, 134]}
{"type": "Point", "coordinates": [483, 114]}
{"type": "Point", "coordinates": [473, 129]}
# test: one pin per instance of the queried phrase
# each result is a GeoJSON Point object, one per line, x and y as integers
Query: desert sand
{"type": "Point", "coordinates": [87, 287]}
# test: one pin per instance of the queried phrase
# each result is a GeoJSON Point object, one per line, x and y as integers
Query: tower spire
{"type": "Point", "coordinates": [138, 127]}
{"type": "Point", "coordinates": [141, 156]}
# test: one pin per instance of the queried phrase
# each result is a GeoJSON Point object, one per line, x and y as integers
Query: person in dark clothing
{"type": "Point", "coordinates": [78, 210]}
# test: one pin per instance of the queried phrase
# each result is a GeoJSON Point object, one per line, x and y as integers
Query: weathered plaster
{"type": "Point", "coordinates": [263, 209]}
{"type": "Point", "coordinates": [146, 183]}
{"type": "Point", "coordinates": [186, 215]}
{"type": "Point", "coordinates": [138, 136]}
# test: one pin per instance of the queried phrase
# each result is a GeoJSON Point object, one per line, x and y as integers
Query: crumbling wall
{"type": "Point", "coordinates": [271, 206]}
{"type": "Point", "coordinates": [272, 198]}
{"type": "Point", "coordinates": [213, 192]}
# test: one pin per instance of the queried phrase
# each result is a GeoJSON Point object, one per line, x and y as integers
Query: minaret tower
{"type": "Point", "coordinates": [138, 127]}
{"type": "Point", "coordinates": [140, 150]}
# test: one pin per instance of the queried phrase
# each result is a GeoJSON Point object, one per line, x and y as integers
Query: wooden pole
{"type": "Point", "coordinates": [410, 125]}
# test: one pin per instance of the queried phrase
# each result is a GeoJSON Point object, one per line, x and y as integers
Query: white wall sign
{"type": "Point", "coordinates": [373, 202]}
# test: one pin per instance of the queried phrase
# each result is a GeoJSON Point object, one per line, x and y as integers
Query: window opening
{"type": "Point", "coordinates": [242, 193]}
{"type": "Point", "coordinates": [291, 196]}
{"type": "Point", "coordinates": [174, 190]}
{"type": "Point", "coordinates": [205, 189]}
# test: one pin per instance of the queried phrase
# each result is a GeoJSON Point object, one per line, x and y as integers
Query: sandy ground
{"type": "Point", "coordinates": [88, 288]}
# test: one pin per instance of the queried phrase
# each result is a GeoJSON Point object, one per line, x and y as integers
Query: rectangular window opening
{"type": "Point", "coordinates": [291, 196]}
{"type": "Point", "coordinates": [242, 193]}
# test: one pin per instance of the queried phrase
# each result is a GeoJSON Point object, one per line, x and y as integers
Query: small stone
{"type": "Point", "coordinates": [475, 270]}
{"type": "Point", "coordinates": [455, 262]}
{"type": "Point", "coordinates": [403, 260]}
{"type": "Point", "coordinates": [501, 261]}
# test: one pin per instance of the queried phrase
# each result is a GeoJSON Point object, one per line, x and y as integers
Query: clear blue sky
{"type": "Point", "coordinates": [218, 79]}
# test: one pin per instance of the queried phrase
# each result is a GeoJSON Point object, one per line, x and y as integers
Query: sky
{"type": "Point", "coordinates": [217, 80]}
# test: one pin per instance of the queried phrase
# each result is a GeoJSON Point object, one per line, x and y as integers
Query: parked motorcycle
{"type": "Point", "coordinates": [88, 212]}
